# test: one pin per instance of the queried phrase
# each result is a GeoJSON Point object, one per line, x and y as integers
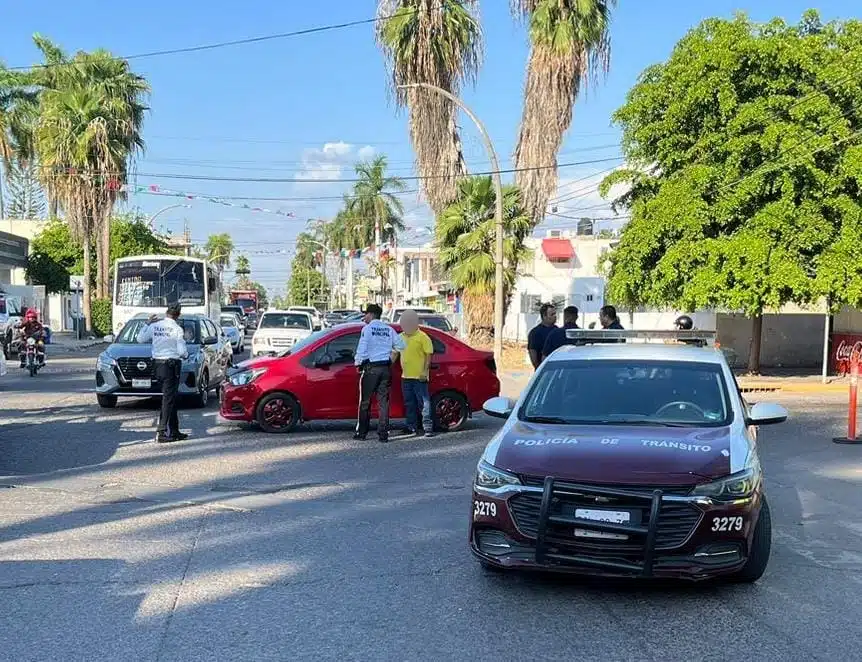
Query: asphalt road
{"type": "Point", "coordinates": [237, 545]}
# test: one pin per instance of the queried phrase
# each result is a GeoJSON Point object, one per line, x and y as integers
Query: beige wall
{"type": "Point", "coordinates": [788, 341]}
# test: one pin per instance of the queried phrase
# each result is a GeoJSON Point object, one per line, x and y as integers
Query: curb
{"type": "Point", "coordinates": [793, 388]}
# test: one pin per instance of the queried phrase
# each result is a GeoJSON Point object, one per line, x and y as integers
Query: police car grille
{"type": "Point", "coordinates": [676, 521]}
{"type": "Point", "coordinates": [130, 370]}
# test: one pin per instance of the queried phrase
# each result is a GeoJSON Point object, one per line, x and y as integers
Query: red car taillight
{"type": "Point", "coordinates": [492, 365]}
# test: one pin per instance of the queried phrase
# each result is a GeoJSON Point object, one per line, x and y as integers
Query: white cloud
{"type": "Point", "coordinates": [366, 153]}
{"type": "Point", "coordinates": [326, 163]}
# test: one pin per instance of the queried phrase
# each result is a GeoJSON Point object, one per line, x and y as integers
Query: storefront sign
{"type": "Point", "coordinates": [843, 345]}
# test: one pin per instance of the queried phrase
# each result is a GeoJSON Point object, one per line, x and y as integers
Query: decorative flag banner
{"type": "Point", "coordinates": [154, 189]}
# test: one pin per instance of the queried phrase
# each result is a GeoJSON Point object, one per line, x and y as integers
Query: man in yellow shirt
{"type": "Point", "coordinates": [415, 361]}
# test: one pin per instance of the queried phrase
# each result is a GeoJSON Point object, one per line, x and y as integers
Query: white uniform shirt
{"type": "Point", "coordinates": [376, 342]}
{"type": "Point", "coordinates": [167, 338]}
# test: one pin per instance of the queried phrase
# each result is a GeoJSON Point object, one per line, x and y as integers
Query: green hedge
{"type": "Point", "coordinates": [101, 316]}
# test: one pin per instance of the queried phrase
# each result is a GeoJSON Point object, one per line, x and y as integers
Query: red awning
{"type": "Point", "coordinates": [558, 249]}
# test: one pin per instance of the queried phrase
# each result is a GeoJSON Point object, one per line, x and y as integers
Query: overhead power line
{"type": "Point", "coordinates": [305, 180]}
{"type": "Point", "coordinates": [249, 40]}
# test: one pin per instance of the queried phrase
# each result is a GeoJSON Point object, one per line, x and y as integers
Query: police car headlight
{"type": "Point", "coordinates": [489, 476]}
{"type": "Point", "coordinates": [246, 376]}
{"type": "Point", "coordinates": [740, 485]}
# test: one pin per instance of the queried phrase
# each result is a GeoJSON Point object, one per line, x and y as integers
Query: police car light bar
{"type": "Point", "coordinates": [688, 337]}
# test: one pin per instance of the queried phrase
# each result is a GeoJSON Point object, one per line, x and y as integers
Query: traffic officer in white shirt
{"type": "Point", "coordinates": [373, 357]}
{"type": "Point", "coordinates": [169, 350]}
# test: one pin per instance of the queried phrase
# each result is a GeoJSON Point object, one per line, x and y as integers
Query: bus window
{"type": "Point", "coordinates": [159, 283]}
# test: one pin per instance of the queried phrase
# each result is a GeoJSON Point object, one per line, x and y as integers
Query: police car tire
{"type": "Point", "coordinates": [106, 401]}
{"type": "Point", "coordinates": [761, 545]}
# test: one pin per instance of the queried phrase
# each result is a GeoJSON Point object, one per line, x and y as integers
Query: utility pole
{"type": "Point", "coordinates": [379, 254]}
{"type": "Point", "coordinates": [187, 238]}
{"type": "Point", "coordinates": [498, 213]}
{"type": "Point", "coordinates": [307, 287]}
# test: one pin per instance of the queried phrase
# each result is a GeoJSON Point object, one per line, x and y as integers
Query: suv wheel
{"type": "Point", "coordinates": [106, 401]}
{"type": "Point", "coordinates": [761, 545]}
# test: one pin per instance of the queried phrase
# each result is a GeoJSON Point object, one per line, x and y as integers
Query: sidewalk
{"type": "Point", "coordinates": [69, 342]}
{"type": "Point", "coordinates": [512, 382]}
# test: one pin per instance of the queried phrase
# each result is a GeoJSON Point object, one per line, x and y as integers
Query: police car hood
{"type": "Point", "coordinates": [635, 455]}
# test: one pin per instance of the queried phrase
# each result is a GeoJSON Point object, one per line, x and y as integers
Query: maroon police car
{"type": "Point", "coordinates": [626, 458]}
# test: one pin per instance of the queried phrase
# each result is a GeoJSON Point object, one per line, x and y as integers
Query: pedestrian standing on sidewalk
{"type": "Point", "coordinates": [377, 342]}
{"type": "Point", "coordinates": [415, 367]}
{"type": "Point", "coordinates": [169, 350]}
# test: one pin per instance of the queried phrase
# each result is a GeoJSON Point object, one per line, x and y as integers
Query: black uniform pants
{"type": "Point", "coordinates": [168, 371]}
{"type": "Point", "coordinates": [375, 379]}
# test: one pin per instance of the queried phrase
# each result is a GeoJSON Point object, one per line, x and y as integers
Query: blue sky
{"type": "Point", "coordinates": [309, 106]}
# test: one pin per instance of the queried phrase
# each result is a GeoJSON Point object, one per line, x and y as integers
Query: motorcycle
{"type": "Point", "coordinates": [34, 357]}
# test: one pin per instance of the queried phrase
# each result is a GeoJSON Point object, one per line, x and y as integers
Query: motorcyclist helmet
{"type": "Point", "coordinates": [683, 323]}
{"type": "Point", "coordinates": [30, 315]}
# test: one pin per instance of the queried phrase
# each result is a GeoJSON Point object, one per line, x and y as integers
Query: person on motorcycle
{"type": "Point", "coordinates": [31, 327]}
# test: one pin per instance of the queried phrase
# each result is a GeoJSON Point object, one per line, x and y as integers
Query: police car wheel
{"type": "Point", "coordinates": [761, 545]}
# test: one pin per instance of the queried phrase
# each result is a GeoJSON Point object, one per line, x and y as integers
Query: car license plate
{"type": "Point", "coordinates": [142, 383]}
{"type": "Point", "coordinates": [612, 516]}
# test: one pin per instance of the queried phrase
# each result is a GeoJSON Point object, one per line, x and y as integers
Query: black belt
{"type": "Point", "coordinates": [165, 360]}
{"type": "Point", "coordinates": [379, 363]}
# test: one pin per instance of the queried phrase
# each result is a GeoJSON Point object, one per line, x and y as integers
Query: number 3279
{"type": "Point", "coordinates": [727, 524]}
{"type": "Point", "coordinates": [484, 509]}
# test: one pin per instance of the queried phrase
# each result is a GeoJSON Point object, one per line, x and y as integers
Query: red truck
{"type": "Point", "coordinates": [245, 298]}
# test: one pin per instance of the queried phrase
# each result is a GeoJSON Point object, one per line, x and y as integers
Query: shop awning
{"type": "Point", "coordinates": [558, 249]}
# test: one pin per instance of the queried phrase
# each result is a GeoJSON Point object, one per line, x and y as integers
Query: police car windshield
{"type": "Point", "coordinates": [629, 393]}
{"type": "Point", "coordinates": [129, 333]}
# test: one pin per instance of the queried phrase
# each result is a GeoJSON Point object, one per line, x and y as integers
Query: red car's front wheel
{"type": "Point", "coordinates": [278, 412]}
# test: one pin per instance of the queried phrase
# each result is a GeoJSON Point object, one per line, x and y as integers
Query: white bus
{"type": "Point", "coordinates": [151, 283]}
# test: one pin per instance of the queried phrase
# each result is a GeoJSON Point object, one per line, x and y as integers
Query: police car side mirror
{"type": "Point", "coordinates": [498, 407]}
{"type": "Point", "coordinates": [766, 413]}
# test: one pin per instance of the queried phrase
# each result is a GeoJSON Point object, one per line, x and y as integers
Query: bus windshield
{"type": "Point", "coordinates": [160, 283]}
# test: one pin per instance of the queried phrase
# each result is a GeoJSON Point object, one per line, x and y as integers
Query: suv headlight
{"type": "Point", "coordinates": [246, 376]}
{"type": "Point", "coordinates": [105, 362]}
{"type": "Point", "coordinates": [740, 485]}
{"type": "Point", "coordinates": [489, 476]}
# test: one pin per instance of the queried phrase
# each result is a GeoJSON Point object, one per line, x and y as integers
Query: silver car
{"type": "Point", "coordinates": [234, 330]}
{"type": "Point", "coordinates": [125, 368]}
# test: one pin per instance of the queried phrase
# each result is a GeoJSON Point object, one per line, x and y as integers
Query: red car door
{"type": "Point", "coordinates": [333, 379]}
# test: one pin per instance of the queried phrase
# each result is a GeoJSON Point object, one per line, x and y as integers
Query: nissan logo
{"type": "Point", "coordinates": [142, 365]}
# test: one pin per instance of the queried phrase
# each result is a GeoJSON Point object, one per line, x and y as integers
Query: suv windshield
{"type": "Point", "coordinates": [129, 334]}
{"type": "Point", "coordinates": [305, 342]}
{"type": "Point", "coordinates": [285, 321]}
{"type": "Point", "coordinates": [629, 393]}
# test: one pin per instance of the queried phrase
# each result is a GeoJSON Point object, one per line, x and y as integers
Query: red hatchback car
{"type": "Point", "coordinates": [317, 380]}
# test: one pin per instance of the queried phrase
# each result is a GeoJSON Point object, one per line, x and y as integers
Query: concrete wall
{"type": "Point", "coordinates": [788, 341]}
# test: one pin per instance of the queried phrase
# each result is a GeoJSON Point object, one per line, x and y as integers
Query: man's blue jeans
{"type": "Point", "coordinates": [417, 399]}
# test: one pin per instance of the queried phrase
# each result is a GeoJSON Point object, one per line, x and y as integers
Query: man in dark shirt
{"type": "Point", "coordinates": [539, 333]}
{"type": "Point", "coordinates": [608, 318]}
{"type": "Point", "coordinates": [557, 337]}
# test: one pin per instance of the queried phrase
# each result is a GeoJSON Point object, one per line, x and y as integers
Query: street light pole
{"type": "Point", "coordinates": [163, 210]}
{"type": "Point", "coordinates": [498, 187]}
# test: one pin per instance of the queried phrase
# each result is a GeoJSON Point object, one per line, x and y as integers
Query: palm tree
{"type": "Point", "coordinates": [465, 235]}
{"type": "Point", "coordinates": [16, 103]}
{"type": "Point", "coordinates": [436, 42]}
{"type": "Point", "coordinates": [570, 43]}
{"type": "Point", "coordinates": [90, 119]}
{"type": "Point", "coordinates": [218, 250]}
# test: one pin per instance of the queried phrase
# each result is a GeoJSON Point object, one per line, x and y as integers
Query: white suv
{"type": "Point", "coordinates": [279, 330]}
{"type": "Point", "coordinates": [316, 315]}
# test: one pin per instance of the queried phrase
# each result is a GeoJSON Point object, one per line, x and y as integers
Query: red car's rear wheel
{"type": "Point", "coordinates": [449, 410]}
{"type": "Point", "coordinates": [278, 412]}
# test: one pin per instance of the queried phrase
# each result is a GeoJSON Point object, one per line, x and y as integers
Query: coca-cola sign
{"type": "Point", "coordinates": [843, 347]}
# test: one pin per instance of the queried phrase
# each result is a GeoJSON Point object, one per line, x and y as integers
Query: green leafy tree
{"type": "Point", "coordinates": [243, 266]}
{"type": "Point", "coordinates": [43, 269]}
{"type": "Point", "coordinates": [569, 44]}
{"type": "Point", "coordinates": [427, 41]}
{"type": "Point", "coordinates": [466, 236]}
{"type": "Point", "coordinates": [375, 202]}
{"type": "Point", "coordinates": [745, 171]}
{"type": "Point", "coordinates": [307, 287]}
{"type": "Point", "coordinates": [17, 101]}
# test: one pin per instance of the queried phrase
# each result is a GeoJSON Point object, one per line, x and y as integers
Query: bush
{"type": "Point", "coordinates": [101, 316]}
